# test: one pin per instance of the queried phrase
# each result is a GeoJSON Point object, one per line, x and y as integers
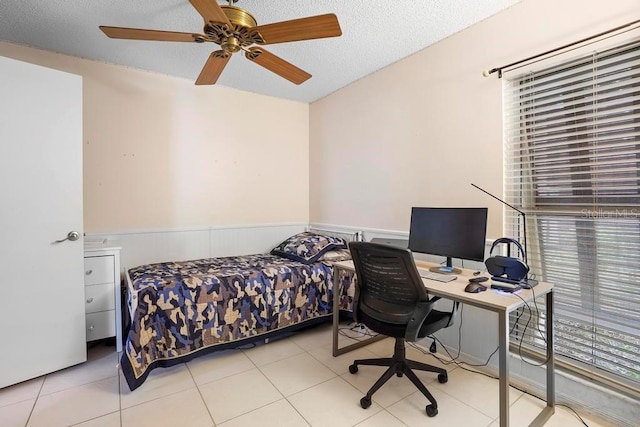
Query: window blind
{"type": "Point", "coordinates": [572, 164]}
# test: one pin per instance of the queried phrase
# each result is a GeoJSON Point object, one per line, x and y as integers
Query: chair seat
{"type": "Point", "coordinates": [435, 320]}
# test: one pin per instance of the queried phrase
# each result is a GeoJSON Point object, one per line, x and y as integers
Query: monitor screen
{"type": "Point", "coordinates": [449, 232]}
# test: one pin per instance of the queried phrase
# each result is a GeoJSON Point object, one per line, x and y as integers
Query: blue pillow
{"type": "Point", "coordinates": [308, 246]}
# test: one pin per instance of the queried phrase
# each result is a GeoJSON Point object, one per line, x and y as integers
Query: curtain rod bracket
{"type": "Point", "coordinates": [487, 73]}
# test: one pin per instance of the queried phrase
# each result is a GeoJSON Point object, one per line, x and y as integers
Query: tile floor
{"type": "Point", "coordinates": [293, 381]}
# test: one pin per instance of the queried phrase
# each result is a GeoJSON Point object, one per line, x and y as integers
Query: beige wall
{"type": "Point", "coordinates": [162, 153]}
{"type": "Point", "coordinates": [417, 133]}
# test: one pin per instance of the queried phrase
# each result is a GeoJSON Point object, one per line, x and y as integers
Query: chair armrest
{"type": "Point", "coordinates": [417, 319]}
{"type": "Point", "coordinates": [420, 315]}
{"type": "Point", "coordinates": [454, 312]}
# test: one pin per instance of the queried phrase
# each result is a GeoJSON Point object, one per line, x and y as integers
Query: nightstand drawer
{"type": "Point", "coordinates": [98, 270]}
{"type": "Point", "coordinates": [102, 303]}
{"type": "Point", "coordinates": [99, 298]}
{"type": "Point", "coordinates": [101, 325]}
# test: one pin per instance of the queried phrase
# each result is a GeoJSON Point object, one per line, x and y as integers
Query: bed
{"type": "Point", "coordinates": [182, 310]}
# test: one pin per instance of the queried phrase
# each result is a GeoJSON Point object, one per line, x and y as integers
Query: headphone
{"type": "Point", "coordinates": [500, 265]}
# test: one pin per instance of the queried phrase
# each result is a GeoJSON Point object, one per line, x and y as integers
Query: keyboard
{"type": "Point", "coordinates": [439, 277]}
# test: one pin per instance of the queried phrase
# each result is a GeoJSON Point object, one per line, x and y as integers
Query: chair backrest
{"type": "Point", "coordinates": [388, 284]}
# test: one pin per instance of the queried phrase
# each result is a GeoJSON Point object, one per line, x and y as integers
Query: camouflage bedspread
{"type": "Point", "coordinates": [180, 310]}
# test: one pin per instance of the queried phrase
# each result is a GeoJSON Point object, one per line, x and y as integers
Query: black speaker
{"type": "Point", "coordinates": [512, 268]}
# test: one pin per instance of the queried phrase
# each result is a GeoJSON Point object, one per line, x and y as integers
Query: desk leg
{"type": "Point", "coordinates": [548, 411]}
{"type": "Point", "coordinates": [336, 310]}
{"type": "Point", "coordinates": [503, 361]}
{"type": "Point", "coordinates": [551, 374]}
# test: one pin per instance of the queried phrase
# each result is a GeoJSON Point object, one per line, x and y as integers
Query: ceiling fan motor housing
{"type": "Point", "coordinates": [239, 17]}
{"type": "Point", "coordinates": [239, 35]}
{"type": "Point", "coordinates": [231, 44]}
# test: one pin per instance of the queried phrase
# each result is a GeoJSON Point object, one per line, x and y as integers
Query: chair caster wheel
{"type": "Point", "coordinates": [353, 369]}
{"type": "Point", "coordinates": [443, 378]}
{"type": "Point", "coordinates": [432, 411]}
{"type": "Point", "coordinates": [365, 402]}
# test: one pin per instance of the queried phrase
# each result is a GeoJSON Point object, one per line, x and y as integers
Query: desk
{"type": "Point", "coordinates": [501, 303]}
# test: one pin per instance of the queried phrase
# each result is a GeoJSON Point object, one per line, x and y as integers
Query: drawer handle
{"type": "Point", "coordinates": [88, 272]}
{"type": "Point", "coordinates": [89, 300]}
{"type": "Point", "coordinates": [90, 328]}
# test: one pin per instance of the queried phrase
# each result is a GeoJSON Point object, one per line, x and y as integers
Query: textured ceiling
{"type": "Point", "coordinates": [375, 33]}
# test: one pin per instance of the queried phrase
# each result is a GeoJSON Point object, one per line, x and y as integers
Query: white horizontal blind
{"type": "Point", "coordinates": [572, 164]}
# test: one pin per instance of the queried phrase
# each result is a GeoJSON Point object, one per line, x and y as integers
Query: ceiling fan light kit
{"type": "Point", "coordinates": [235, 29]}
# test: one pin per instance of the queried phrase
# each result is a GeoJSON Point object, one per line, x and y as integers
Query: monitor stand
{"type": "Point", "coordinates": [446, 269]}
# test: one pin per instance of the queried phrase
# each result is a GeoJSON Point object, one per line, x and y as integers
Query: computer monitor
{"type": "Point", "coordinates": [449, 232]}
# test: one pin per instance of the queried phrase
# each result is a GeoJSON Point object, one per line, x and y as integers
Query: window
{"type": "Point", "coordinates": [572, 164]}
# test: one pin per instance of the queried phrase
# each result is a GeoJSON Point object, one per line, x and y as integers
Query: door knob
{"type": "Point", "coordinates": [72, 236]}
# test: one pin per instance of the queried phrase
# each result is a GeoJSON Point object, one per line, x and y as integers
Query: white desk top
{"type": "Point", "coordinates": [490, 299]}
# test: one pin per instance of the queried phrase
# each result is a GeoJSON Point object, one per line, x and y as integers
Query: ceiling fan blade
{"type": "Point", "coordinates": [313, 27]}
{"type": "Point", "coordinates": [210, 10]}
{"type": "Point", "coordinates": [140, 34]}
{"type": "Point", "coordinates": [213, 67]}
{"type": "Point", "coordinates": [277, 65]}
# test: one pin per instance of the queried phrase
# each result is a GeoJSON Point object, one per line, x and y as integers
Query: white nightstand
{"type": "Point", "coordinates": [103, 310]}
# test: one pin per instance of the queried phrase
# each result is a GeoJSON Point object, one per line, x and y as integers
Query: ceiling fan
{"type": "Point", "coordinates": [235, 29]}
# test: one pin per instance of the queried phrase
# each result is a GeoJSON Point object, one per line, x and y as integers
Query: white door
{"type": "Point", "coordinates": [42, 323]}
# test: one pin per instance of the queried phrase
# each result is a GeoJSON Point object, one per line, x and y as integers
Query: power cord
{"type": "Point", "coordinates": [453, 360]}
{"type": "Point", "coordinates": [572, 410]}
{"type": "Point", "coordinates": [524, 359]}
{"type": "Point", "coordinates": [460, 365]}
{"type": "Point", "coordinates": [356, 329]}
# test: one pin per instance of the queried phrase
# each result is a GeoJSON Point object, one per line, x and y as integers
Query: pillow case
{"type": "Point", "coordinates": [308, 246]}
{"type": "Point", "coordinates": [336, 255]}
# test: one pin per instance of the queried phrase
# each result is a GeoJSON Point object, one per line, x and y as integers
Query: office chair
{"type": "Point", "coordinates": [391, 299]}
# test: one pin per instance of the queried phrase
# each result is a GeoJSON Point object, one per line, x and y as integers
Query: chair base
{"type": "Point", "coordinates": [400, 365]}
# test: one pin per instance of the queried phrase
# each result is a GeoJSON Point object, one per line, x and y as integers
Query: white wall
{"type": "Point", "coordinates": [161, 153]}
{"type": "Point", "coordinates": [420, 131]}
{"type": "Point", "coordinates": [150, 246]}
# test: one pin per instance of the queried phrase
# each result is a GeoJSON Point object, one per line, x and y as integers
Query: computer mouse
{"type": "Point", "coordinates": [475, 287]}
